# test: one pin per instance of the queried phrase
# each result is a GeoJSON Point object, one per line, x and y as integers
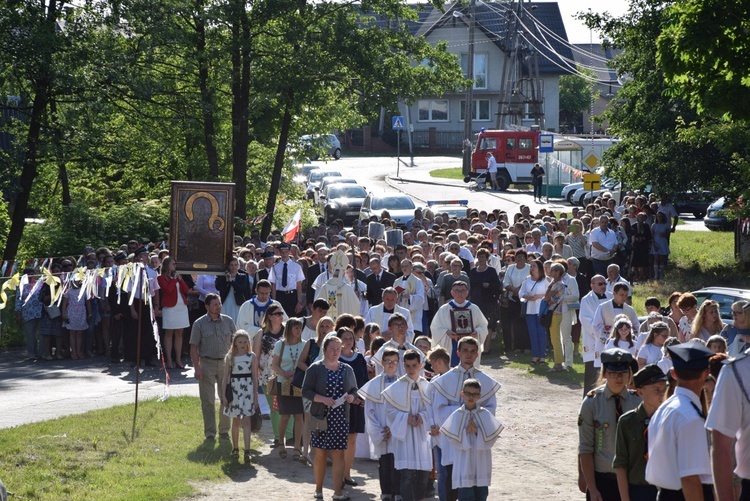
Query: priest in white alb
{"type": "Point", "coordinates": [337, 290]}
{"type": "Point", "coordinates": [456, 319]}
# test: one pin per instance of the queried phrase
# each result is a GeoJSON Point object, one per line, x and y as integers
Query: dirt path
{"type": "Point", "coordinates": [535, 458]}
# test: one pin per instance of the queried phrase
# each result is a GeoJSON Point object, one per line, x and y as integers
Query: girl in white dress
{"type": "Point", "coordinates": [241, 373]}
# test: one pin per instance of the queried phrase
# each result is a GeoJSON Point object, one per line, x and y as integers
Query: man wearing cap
{"type": "Point", "coordinates": [251, 312]}
{"type": "Point", "coordinates": [597, 425]}
{"type": "Point", "coordinates": [630, 447]}
{"type": "Point", "coordinates": [679, 462]}
{"type": "Point", "coordinates": [265, 265]}
{"type": "Point", "coordinates": [729, 418]}
{"type": "Point", "coordinates": [286, 279]}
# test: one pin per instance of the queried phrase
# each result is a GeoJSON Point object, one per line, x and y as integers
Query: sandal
{"type": "Point", "coordinates": [296, 455]}
{"type": "Point", "coordinates": [235, 453]}
{"type": "Point", "coordinates": [282, 453]}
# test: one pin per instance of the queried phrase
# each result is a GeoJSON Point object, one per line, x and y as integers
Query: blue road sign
{"type": "Point", "coordinates": [546, 143]}
{"type": "Point", "coordinates": [398, 123]}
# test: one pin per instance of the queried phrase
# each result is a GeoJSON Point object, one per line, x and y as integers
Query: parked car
{"type": "Point", "coordinates": [715, 219]}
{"type": "Point", "coordinates": [320, 191]}
{"type": "Point", "coordinates": [588, 197]}
{"type": "Point", "coordinates": [725, 296]}
{"type": "Point", "coordinates": [454, 208]}
{"type": "Point", "coordinates": [692, 202]}
{"type": "Point", "coordinates": [314, 180]}
{"type": "Point", "coordinates": [314, 145]}
{"type": "Point", "coordinates": [569, 190]}
{"type": "Point", "coordinates": [302, 173]}
{"type": "Point", "coordinates": [400, 207]}
{"type": "Point", "coordinates": [343, 201]}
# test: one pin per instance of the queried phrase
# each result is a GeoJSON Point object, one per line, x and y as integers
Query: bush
{"type": "Point", "coordinates": [68, 229]}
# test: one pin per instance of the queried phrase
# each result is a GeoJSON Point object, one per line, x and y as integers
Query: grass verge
{"type": "Point", "coordinates": [91, 456]}
{"type": "Point", "coordinates": [453, 173]}
{"type": "Point", "coordinates": [698, 259]}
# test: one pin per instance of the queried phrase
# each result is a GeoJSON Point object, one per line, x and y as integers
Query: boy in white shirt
{"type": "Point", "coordinates": [376, 426]}
{"type": "Point", "coordinates": [472, 430]}
{"type": "Point", "coordinates": [409, 419]}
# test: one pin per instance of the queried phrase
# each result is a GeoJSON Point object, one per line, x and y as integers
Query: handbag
{"type": "Point", "coordinates": [256, 420]}
{"type": "Point", "coordinates": [289, 390]}
{"type": "Point", "coordinates": [524, 306]}
{"type": "Point", "coordinates": [53, 311]}
{"type": "Point", "coordinates": [228, 393]}
{"type": "Point", "coordinates": [299, 374]}
{"type": "Point", "coordinates": [272, 387]}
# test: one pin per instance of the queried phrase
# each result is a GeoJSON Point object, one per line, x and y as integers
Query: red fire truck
{"type": "Point", "coordinates": [515, 151]}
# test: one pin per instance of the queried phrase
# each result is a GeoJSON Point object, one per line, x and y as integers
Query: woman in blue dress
{"type": "Point", "coordinates": [329, 387]}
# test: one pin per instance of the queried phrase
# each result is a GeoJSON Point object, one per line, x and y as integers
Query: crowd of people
{"type": "Point", "coordinates": [357, 345]}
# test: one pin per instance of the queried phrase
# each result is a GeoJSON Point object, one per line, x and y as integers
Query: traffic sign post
{"type": "Point", "coordinates": [398, 125]}
{"type": "Point", "coordinates": [546, 146]}
{"type": "Point", "coordinates": [592, 182]}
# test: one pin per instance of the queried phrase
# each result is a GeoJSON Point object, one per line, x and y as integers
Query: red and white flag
{"type": "Point", "coordinates": [292, 227]}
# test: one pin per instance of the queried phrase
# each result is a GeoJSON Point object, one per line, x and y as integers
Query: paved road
{"type": "Point", "coordinates": [38, 391]}
{"type": "Point", "coordinates": [380, 174]}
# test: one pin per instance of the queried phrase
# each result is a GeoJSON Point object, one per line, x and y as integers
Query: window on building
{"type": "Point", "coordinates": [481, 111]}
{"type": "Point", "coordinates": [480, 69]}
{"type": "Point", "coordinates": [433, 110]}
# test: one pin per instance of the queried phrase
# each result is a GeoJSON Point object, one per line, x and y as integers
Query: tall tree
{"type": "Point", "coordinates": [647, 116]}
{"type": "Point", "coordinates": [30, 41]}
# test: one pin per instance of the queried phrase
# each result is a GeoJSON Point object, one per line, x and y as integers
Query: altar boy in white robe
{"type": "Point", "coordinates": [472, 430]}
{"type": "Point", "coordinates": [377, 428]}
{"type": "Point", "coordinates": [398, 327]}
{"type": "Point", "coordinates": [409, 418]}
{"type": "Point", "coordinates": [446, 398]}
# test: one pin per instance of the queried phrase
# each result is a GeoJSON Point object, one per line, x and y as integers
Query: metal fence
{"type": "Point", "coordinates": [443, 139]}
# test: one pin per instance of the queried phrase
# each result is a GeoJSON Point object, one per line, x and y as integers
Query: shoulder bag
{"type": "Point", "coordinates": [272, 388]}
{"type": "Point", "coordinates": [287, 388]}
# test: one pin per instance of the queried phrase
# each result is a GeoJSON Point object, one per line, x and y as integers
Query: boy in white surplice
{"type": "Point", "coordinates": [409, 418]}
{"type": "Point", "coordinates": [472, 430]}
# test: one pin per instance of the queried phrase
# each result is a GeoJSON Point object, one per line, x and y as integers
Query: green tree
{"type": "Point", "coordinates": [648, 117]}
{"type": "Point", "coordinates": [576, 93]}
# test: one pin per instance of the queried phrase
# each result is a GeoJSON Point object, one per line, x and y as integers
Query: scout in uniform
{"type": "Point", "coordinates": [631, 446]}
{"type": "Point", "coordinates": [728, 418]}
{"type": "Point", "coordinates": [597, 425]}
{"type": "Point", "coordinates": [679, 462]}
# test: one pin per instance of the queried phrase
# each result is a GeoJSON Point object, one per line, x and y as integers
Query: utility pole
{"type": "Point", "coordinates": [469, 108]}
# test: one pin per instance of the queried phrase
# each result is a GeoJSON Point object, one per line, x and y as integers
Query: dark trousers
{"type": "Point", "coordinates": [537, 189]}
{"type": "Point", "coordinates": [473, 493]}
{"type": "Point", "coordinates": [130, 336]}
{"type": "Point", "coordinates": [116, 329]}
{"type": "Point", "coordinates": [389, 476]}
{"type": "Point", "coordinates": [745, 493]}
{"type": "Point", "coordinates": [451, 494]}
{"type": "Point", "coordinates": [590, 377]}
{"type": "Point", "coordinates": [600, 266]}
{"type": "Point", "coordinates": [606, 484]}
{"type": "Point", "coordinates": [515, 332]}
{"type": "Point", "coordinates": [288, 300]}
{"type": "Point", "coordinates": [642, 492]}
{"type": "Point", "coordinates": [670, 495]}
{"type": "Point", "coordinates": [413, 484]}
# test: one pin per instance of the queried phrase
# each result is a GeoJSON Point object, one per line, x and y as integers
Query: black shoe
{"type": "Point", "coordinates": [224, 436]}
{"type": "Point", "coordinates": [350, 481]}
